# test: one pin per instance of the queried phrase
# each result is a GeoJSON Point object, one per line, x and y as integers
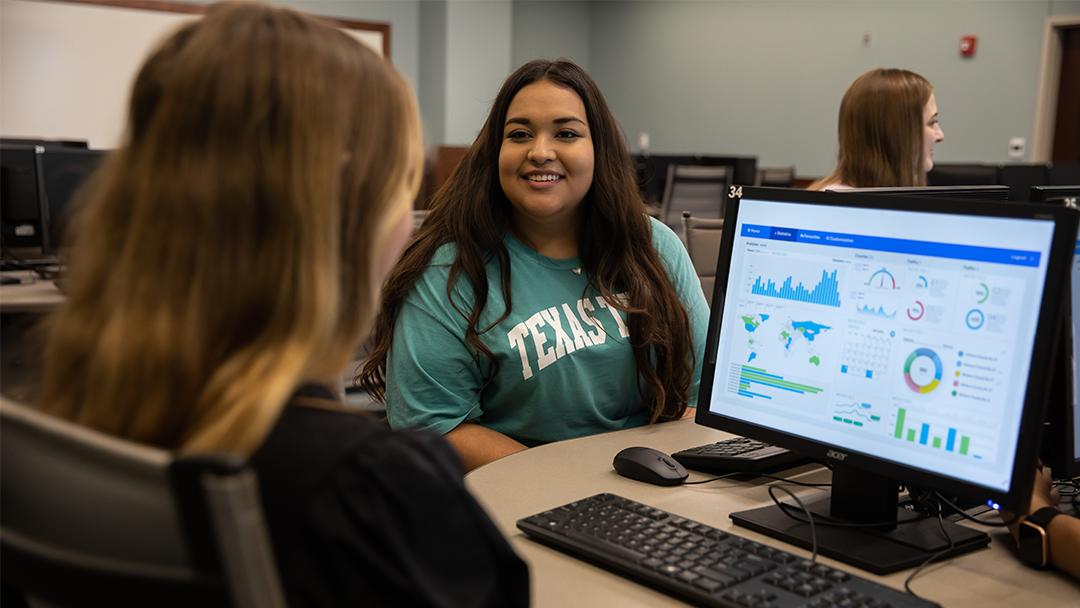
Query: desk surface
{"type": "Point", "coordinates": [551, 475]}
{"type": "Point", "coordinates": [32, 295]}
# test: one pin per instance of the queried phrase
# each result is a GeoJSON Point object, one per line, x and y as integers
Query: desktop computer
{"type": "Point", "coordinates": [20, 209]}
{"type": "Point", "coordinates": [1061, 430]}
{"type": "Point", "coordinates": [62, 172]}
{"type": "Point", "coordinates": [1064, 195]}
{"type": "Point", "coordinates": [37, 186]}
{"type": "Point", "coordinates": [902, 340]}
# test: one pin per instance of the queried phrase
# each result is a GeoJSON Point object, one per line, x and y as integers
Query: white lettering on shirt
{"type": "Point", "coordinates": [517, 340]}
{"type": "Point", "coordinates": [586, 308]}
{"type": "Point", "coordinates": [623, 331]}
{"type": "Point", "coordinates": [563, 343]}
{"type": "Point", "coordinates": [581, 339]}
{"type": "Point", "coordinates": [544, 356]}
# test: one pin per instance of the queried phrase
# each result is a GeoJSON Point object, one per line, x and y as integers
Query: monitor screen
{"type": "Point", "coordinates": [902, 335]}
{"type": "Point", "coordinates": [1075, 360]}
{"type": "Point", "coordinates": [62, 172]}
{"type": "Point", "coordinates": [20, 209]}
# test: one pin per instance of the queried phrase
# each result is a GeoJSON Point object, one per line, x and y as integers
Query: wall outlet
{"type": "Point", "coordinates": [643, 142]}
{"type": "Point", "coordinates": [1017, 148]}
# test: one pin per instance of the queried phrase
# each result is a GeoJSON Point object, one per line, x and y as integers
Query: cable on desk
{"type": "Point", "coordinates": [809, 517]}
{"type": "Point", "coordinates": [710, 480]}
{"type": "Point", "coordinates": [932, 558]}
{"type": "Point", "coordinates": [844, 524]}
{"type": "Point", "coordinates": [782, 479]}
{"type": "Point", "coordinates": [981, 522]}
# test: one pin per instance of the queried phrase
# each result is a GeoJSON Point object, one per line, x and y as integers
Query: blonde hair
{"type": "Point", "coordinates": [226, 252]}
{"type": "Point", "coordinates": [881, 131]}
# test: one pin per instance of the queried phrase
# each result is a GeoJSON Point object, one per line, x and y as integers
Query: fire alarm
{"type": "Point", "coordinates": [967, 46]}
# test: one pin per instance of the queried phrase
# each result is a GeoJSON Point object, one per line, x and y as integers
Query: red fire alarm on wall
{"type": "Point", "coordinates": [967, 46]}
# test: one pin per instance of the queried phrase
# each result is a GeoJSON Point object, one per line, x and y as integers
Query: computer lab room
{"type": "Point", "coordinates": [553, 303]}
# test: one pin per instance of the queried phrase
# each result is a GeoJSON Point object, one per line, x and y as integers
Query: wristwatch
{"type": "Point", "coordinates": [1033, 540]}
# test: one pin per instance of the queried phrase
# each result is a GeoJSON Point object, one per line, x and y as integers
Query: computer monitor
{"type": "Point", "coordinates": [652, 170]}
{"type": "Point", "coordinates": [901, 340]}
{"type": "Point", "coordinates": [1021, 177]}
{"type": "Point", "coordinates": [61, 173]}
{"type": "Point", "coordinates": [1068, 195]}
{"type": "Point", "coordinates": [985, 193]}
{"type": "Point", "coordinates": [1061, 429]}
{"type": "Point", "coordinates": [20, 210]}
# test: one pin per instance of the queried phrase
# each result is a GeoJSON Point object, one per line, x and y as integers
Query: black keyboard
{"type": "Point", "coordinates": [739, 455]}
{"type": "Point", "coordinates": [699, 563]}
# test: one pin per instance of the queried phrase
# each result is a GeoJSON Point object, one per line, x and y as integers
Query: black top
{"type": "Point", "coordinates": [362, 515]}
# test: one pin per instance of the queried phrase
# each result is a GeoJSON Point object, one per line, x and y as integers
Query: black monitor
{"type": "Point", "coordinates": [20, 210]}
{"type": "Point", "coordinates": [985, 193]}
{"type": "Point", "coordinates": [901, 340]}
{"type": "Point", "coordinates": [963, 174]}
{"type": "Point", "coordinates": [1061, 431]}
{"type": "Point", "coordinates": [1021, 177]}
{"type": "Point", "coordinates": [61, 172]}
{"type": "Point", "coordinates": [44, 143]}
{"type": "Point", "coordinates": [652, 170]}
{"type": "Point", "coordinates": [1068, 195]}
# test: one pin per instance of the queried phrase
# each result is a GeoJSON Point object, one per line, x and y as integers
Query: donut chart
{"type": "Point", "coordinates": [922, 370]}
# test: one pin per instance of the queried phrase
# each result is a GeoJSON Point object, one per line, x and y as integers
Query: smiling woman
{"type": "Point", "coordinates": [539, 302]}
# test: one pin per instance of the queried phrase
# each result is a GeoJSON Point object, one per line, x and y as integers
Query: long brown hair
{"type": "Point", "coordinates": [881, 131]}
{"type": "Point", "coordinates": [225, 252]}
{"type": "Point", "coordinates": [616, 248]}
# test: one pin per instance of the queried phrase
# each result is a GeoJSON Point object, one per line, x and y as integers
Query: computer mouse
{"type": "Point", "coordinates": [649, 465]}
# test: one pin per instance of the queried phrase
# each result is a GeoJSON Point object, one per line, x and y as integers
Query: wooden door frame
{"type": "Point", "coordinates": [1042, 141]}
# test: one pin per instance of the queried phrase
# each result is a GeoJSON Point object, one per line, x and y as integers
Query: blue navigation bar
{"type": "Point", "coordinates": [878, 243]}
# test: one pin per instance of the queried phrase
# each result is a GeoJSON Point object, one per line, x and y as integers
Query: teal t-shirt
{"type": "Point", "coordinates": [566, 368]}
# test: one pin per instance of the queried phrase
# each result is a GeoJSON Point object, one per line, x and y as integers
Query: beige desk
{"type": "Point", "coordinates": [555, 474]}
{"type": "Point", "coordinates": [32, 295]}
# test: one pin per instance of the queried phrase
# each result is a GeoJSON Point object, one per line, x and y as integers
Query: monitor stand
{"type": "Point", "coordinates": [860, 498]}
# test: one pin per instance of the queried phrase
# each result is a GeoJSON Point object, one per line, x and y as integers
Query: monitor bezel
{"type": "Point", "coordinates": [1036, 397]}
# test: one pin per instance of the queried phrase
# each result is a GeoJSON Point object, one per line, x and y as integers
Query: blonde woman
{"type": "Point", "coordinates": [888, 127]}
{"type": "Point", "coordinates": [225, 266]}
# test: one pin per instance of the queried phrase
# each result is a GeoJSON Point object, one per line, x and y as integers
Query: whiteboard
{"type": "Point", "coordinates": [66, 69]}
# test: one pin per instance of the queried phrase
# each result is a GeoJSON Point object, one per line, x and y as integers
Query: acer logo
{"type": "Point", "coordinates": [836, 455]}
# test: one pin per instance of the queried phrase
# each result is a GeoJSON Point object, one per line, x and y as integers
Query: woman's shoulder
{"type": "Point", "coordinates": [664, 238]}
{"type": "Point", "coordinates": [347, 440]}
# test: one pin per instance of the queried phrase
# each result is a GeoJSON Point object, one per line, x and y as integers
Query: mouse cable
{"type": "Point", "coordinates": [809, 517]}
{"type": "Point", "coordinates": [710, 480]}
{"type": "Point", "coordinates": [932, 558]}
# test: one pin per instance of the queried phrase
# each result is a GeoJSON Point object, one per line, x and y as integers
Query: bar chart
{"type": "Point", "coordinates": [925, 434]}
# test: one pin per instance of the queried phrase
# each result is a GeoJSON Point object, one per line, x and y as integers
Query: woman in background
{"type": "Point", "coordinates": [225, 266]}
{"type": "Point", "coordinates": [888, 127]}
{"type": "Point", "coordinates": [539, 302]}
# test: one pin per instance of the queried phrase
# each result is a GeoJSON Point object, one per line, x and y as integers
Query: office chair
{"type": "Point", "coordinates": [963, 174]}
{"type": "Point", "coordinates": [699, 190]}
{"type": "Point", "coordinates": [86, 518]}
{"type": "Point", "coordinates": [703, 243]}
{"type": "Point", "coordinates": [776, 177]}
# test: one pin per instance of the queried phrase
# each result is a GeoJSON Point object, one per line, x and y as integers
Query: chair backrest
{"type": "Point", "coordinates": [699, 190]}
{"type": "Point", "coordinates": [703, 242]}
{"type": "Point", "coordinates": [89, 518]}
{"type": "Point", "coordinates": [776, 177]}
